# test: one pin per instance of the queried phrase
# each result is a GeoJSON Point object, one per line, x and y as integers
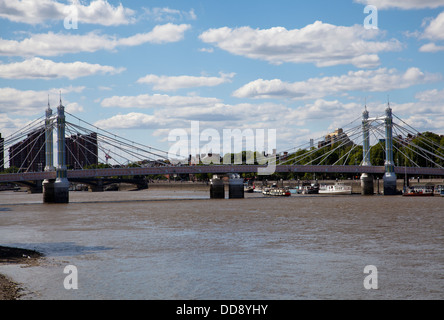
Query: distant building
{"type": "Point", "coordinates": [2, 153]}
{"type": "Point", "coordinates": [337, 136]}
{"type": "Point", "coordinates": [29, 154]}
{"type": "Point", "coordinates": [81, 151]}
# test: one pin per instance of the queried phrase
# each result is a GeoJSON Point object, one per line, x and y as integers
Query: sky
{"type": "Point", "coordinates": [141, 69]}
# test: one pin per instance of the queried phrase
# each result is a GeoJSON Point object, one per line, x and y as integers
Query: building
{"type": "Point", "coordinates": [29, 154]}
{"type": "Point", "coordinates": [2, 153]}
{"type": "Point", "coordinates": [81, 151]}
{"type": "Point", "coordinates": [338, 136]}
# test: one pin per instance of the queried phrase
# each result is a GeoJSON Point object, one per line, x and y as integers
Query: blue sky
{"type": "Point", "coordinates": [143, 68]}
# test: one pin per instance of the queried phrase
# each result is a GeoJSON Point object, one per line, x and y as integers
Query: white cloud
{"type": "Point", "coordinates": [379, 80]}
{"type": "Point", "coordinates": [36, 68]}
{"type": "Point", "coordinates": [209, 50]}
{"type": "Point", "coordinates": [51, 44]}
{"type": "Point", "coordinates": [431, 47]}
{"type": "Point", "coordinates": [38, 12]}
{"type": "Point", "coordinates": [435, 28]}
{"type": "Point", "coordinates": [157, 100]}
{"type": "Point", "coordinates": [131, 120]}
{"type": "Point", "coordinates": [216, 115]}
{"type": "Point", "coordinates": [434, 31]}
{"type": "Point", "coordinates": [316, 43]}
{"type": "Point", "coordinates": [31, 102]}
{"type": "Point", "coordinates": [168, 14]}
{"type": "Point", "coordinates": [433, 95]}
{"type": "Point", "coordinates": [171, 83]}
{"type": "Point", "coordinates": [403, 4]}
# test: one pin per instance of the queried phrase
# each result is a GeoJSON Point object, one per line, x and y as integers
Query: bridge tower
{"type": "Point", "coordinates": [389, 176]}
{"type": "Point", "coordinates": [61, 186]}
{"type": "Point", "coordinates": [56, 191]}
{"type": "Point", "coordinates": [49, 140]}
{"type": "Point", "coordinates": [367, 187]}
{"type": "Point", "coordinates": [48, 185]}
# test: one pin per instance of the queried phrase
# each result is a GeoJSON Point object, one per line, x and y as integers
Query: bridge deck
{"type": "Point", "coordinates": [216, 169]}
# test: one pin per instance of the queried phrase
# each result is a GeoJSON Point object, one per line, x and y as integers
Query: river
{"type": "Point", "coordinates": [179, 244]}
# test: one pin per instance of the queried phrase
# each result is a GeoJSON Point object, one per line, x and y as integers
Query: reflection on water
{"type": "Point", "coordinates": [140, 245]}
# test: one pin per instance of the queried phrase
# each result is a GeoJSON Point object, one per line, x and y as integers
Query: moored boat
{"type": "Point", "coordinates": [338, 188]}
{"type": "Point", "coordinates": [310, 188]}
{"type": "Point", "coordinates": [274, 191]}
{"type": "Point", "coordinates": [419, 191]}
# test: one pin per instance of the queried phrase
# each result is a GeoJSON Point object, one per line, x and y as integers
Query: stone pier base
{"type": "Point", "coordinates": [390, 184]}
{"type": "Point", "coordinates": [56, 191]}
{"type": "Point", "coordinates": [236, 188]}
{"type": "Point", "coordinates": [367, 187]}
{"type": "Point", "coordinates": [217, 188]}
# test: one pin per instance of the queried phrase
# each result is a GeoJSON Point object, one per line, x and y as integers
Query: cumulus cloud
{"type": "Point", "coordinates": [431, 47]}
{"type": "Point", "coordinates": [403, 4]}
{"type": "Point", "coordinates": [133, 120]}
{"type": "Point", "coordinates": [157, 100]}
{"type": "Point", "coordinates": [434, 32]}
{"type": "Point", "coordinates": [379, 80]}
{"type": "Point", "coordinates": [433, 95]}
{"type": "Point", "coordinates": [31, 102]}
{"type": "Point", "coordinates": [435, 28]}
{"type": "Point", "coordinates": [38, 12]}
{"type": "Point", "coordinates": [171, 83]}
{"type": "Point", "coordinates": [54, 44]}
{"type": "Point", "coordinates": [216, 114]}
{"type": "Point", "coordinates": [316, 43]}
{"type": "Point", "coordinates": [37, 68]}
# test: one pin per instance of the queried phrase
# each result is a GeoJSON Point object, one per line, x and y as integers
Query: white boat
{"type": "Point", "coordinates": [419, 191]}
{"type": "Point", "coordinates": [257, 190]}
{"type": "Point", "coordinates": [338, 188]}
{"type": "Point", "coordinates": [274, 191]}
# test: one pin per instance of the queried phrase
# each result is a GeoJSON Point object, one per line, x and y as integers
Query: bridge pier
{"type": "Point", "coordinates": [236, 187]}
{"type": "Point", "coordinates": [56, 191]}
{"type": "Point", "coordinates": [217, 188]}
{"type": "Point", "coordinates": [48, 191]}
{"type": "Point", "coordinates": [390, 184]}
{"type": "Point", "coordinates": [367, 187]}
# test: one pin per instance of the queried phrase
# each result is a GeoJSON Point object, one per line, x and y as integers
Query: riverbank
{"type": "Point", "coordinates": [9, 290]}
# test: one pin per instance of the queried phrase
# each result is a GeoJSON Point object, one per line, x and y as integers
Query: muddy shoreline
{"type": "Point", "coordinates": [10, 290]}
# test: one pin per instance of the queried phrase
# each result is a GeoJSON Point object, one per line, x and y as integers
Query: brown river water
{"type": "Point", "coordinates": [179, 244]}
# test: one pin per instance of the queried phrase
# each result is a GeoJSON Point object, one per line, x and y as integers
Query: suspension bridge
{"type": "Point", "coordinates": [81, 145]}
